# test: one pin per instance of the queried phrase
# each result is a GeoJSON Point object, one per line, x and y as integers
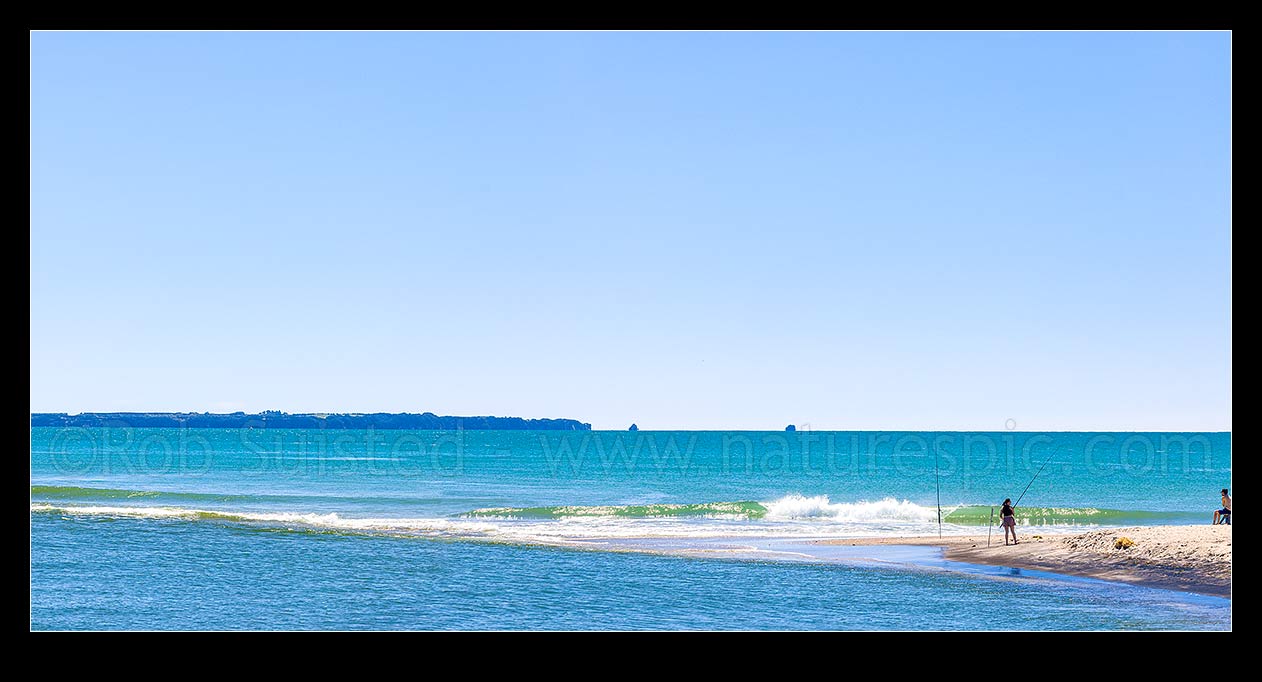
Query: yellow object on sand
{"type": "Point", "coordinates": [1123, 543]}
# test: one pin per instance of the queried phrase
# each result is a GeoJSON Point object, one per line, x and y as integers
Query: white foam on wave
{"type": "Point", "coordinates": [792, 516]}
{"type": "Point", "coordinates": [141, 512]}
{"type": "Point", "coordinates": [330, 521]}
{"type": "Point", "coordinates": [820, 507]}
{"type": "Point", "coordinates": [789, 516]}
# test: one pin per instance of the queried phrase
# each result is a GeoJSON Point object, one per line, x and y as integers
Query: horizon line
{"type": "Point", "coordinates": [796, 428]}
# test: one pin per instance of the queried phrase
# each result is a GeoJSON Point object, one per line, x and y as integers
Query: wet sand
{"type": "Point", "coordinates": [1188, 558]}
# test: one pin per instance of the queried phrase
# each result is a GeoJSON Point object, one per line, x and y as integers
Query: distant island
{"type": "Point", "coordinates": [283, 420]}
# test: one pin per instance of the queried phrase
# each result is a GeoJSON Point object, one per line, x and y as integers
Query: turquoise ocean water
{"type": "Point", "coordinates": [323, 529]}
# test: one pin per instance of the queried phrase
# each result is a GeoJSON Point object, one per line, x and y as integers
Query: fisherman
{"type": "Point", "coordinates": [1224, 515]}
{"type": "Point", "coordinates": [1008, 519]}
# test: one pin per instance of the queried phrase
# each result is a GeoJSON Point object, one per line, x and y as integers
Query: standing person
{"type": "Point", "coordinates": [1008, 521]}
{"type": "Point", "coordinates": [1224, 515]}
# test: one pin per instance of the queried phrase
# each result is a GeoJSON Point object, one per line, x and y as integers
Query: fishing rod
{"type": "Point", "coordinates": [1036, 475]}
{"type": "Point", "coordinates": [938, 488]}
{"type": "Point", "coordinates": [992, 525]}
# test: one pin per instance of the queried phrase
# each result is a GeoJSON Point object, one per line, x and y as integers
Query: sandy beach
{"type": "Point", "coordinates": [1189, 558]}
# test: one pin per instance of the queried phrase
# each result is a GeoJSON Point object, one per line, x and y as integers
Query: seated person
{"type": "Point", "coordinates": [1224, 515]}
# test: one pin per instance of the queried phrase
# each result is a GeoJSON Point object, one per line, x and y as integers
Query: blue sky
{"type": "Point", "coordinates": [683, 230]}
